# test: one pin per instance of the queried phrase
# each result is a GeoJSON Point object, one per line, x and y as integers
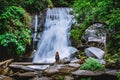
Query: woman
{"type": "Point", "coordinates": [57, 58]}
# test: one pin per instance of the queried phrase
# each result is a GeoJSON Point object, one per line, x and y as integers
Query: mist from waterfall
{"type": "Point", "coordinates": [55, 36]}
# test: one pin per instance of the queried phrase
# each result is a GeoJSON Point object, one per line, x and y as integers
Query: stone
{"type": "Point", "coordinates": [87, 73]}
{"type": "Point", "coordinates": [65, 60]}
{"type": "Point", "coordinates": [74, 65]}
{"type": "Point", "coordinates": [111, 72]}
{"type": "Point", "coordinates": [66, 69]}
{"type": "Point", "coordinates": [75, 61]}
{"type": "Point", "coordinates": [2, 77]}
{"type": "Point", "coordinates": [62, 68]}
{"type": "Point", "coordinates": [92, 39]}
{"type": "Point", "coordinates": [52, 70]}
{"type": "Point", "coordinates": [41, 78]}
{"type": "Point", "coordinates": [68, 78]}
{"type": "Point", "coordinates": [94, 52]}
{"type": "Point", "coordinates": [38, 67]}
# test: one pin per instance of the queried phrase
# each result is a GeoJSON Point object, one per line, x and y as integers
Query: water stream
{"type": "Point", "coordinates": [55, 36]}
{"type": "Point", "coordinates": [35, 29]}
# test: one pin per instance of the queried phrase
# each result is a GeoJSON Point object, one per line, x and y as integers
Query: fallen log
{"type": "Point", "coordinates": [4, 69]}
{"type": "Point", "coordinates": [28, 67]}
{"type": "Point", "coordinates": [25, 74]}
{"type": "Point", "coordinates": [20, 67]}
{"type": "Point", "coordinates": [6, 63]}
{"type": "Point", "coordinates": [2, 77]}
{"type": "Point", "coordinates": [30, 63]}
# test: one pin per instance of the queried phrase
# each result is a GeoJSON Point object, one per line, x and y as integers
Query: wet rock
{"type": "Point", "coordinates": [2, 77]}
{"type": "Point", "coordinates": [28, 56]}
{"type": "Point", "coordinates": [87, 73]}
{"type": "Point", "coordinates": [82, 47]}
{"type": "Point", "coordinates": [93, 39]}
{"type": "Point", "coordinates": [65, 60]}
{"type": "Point", "coordinates": [94, 52]}
{"type": "Point", "coordinates": [111, 72]}
{"type": "Point", "coordinates": [41, 78]}
{"type": "Point", "coordinates": [66, 69]}
{"type": "Point", "coordinates": [74, 65]}
{"type": "Point", "coordinates": [52, 70]}
{"type": "Point", "coordinates": [38, 67]}
{"type": "Point", "coordinates": [76, 61]}
{"type": "Point", "coordinates": [72, 50]}
{"type": "Point", "coordinates": [25, 74]}
{"type": "Point", "coordinates": [62, 68]}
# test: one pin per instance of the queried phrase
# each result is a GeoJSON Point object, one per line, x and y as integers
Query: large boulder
{"type": "Point", "coordinates": [52, 70]}
{"type": "Point", "coordinates": [61, 68]}
{"type": "Point", "coordinates": [87, 73]}
{"type": "Point", "coordinates": [94, 52]}
{"type": "Point", "coordinates": [74, 65]}
{"type": "Point", "coordinates": [76, 61]}
{"type": "Point", "coordinates": [2, 77]}
{"type": "Point", "coordinates": [111, 72]}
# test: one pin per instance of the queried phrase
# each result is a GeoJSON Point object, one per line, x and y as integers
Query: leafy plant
{"type": "Point", "coordinates": [86, 78]}
{"type": "Point", "coordinates": [32, 6]}
{"type": "Point", "coordinates": [118, 75]}
{"type": "Point", "coordinates": [62, 3]}
{"type": "Point", "coordinates": [106, 12]}
{"type": "Point", "coordinates": [15, 30]}
{"type": "Point", "coordinates": [92, 64]}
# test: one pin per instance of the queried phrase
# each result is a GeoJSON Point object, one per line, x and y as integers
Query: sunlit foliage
{"type": "Point", "coordinates": [15, 30]}
{"type": "Point", "coordinates": [106, 12]}
{"type": "Point", "coordinates": [92, 64]}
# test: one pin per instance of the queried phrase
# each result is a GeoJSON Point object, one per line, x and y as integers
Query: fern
{"type": "Point", "coordinates": [92, 64]}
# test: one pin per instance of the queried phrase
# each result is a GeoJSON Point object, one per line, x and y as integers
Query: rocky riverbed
{"type": "Point", "coordinates": [66, 70]}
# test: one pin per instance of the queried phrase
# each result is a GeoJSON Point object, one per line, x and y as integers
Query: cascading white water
{"type": "Point", "coordinates": [35, 29]}
{"type": "Point", "coordinates": [55, 36]}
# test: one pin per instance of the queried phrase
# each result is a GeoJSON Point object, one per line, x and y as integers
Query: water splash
{"type": "Point", "coordinates": [55, 36]}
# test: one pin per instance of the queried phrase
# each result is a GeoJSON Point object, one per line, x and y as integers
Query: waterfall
{"type": "Point", "coordinates": [35, 29]}
{"type": "Point", "coordinates": [55, 36]}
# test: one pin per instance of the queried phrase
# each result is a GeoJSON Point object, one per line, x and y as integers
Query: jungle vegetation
{"type": "Point", "coordinates": [106, 12]}
{"type": "Point", "coordinates": [15, 22]}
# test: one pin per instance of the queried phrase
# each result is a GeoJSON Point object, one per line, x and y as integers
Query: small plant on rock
{"type": "Point", "coordinates": [92, 64]}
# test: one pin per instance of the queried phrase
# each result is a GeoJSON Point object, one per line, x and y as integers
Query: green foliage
{"type": "Point", "coordinates": [15, 32]}
{"type": "Point", "coordinates": [116, 57]}
{"type": "Point", "coordinates": [118, 75]}
{"type": "Point", "coordinates": [10, 42]}
{"type": "Point", "coordinates": [62, 3]}
{"type": "Point", "coordinates": [86, 78]}
{"type": "Point", "coordinates": [31, 6]}
{"type": "Point", "coordinates": [106, 12]}
{"type": "Point", "coordinates": [34, 6]}
{"type": "Point", "coordinates": [92, 64]}
{"type": "Point", "coordinates": [50, 4]}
